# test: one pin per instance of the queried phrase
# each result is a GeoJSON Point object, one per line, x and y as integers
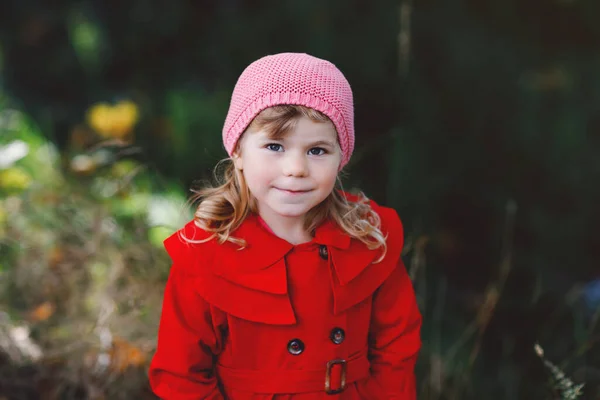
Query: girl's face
{"type": "Point", "coordinates": [290, 176]}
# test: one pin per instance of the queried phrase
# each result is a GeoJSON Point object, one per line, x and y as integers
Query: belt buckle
{"type": "Point", "coordinates": [330, 365]}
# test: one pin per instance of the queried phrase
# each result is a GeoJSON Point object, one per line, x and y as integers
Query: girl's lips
{"type": "Point", "coordinates": [293, 191]}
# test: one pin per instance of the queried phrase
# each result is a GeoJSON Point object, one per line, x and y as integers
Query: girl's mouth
{"type": "Point", "coordinates": [293, 191]}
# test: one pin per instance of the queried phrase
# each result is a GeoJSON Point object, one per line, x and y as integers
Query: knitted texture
{"type": "Point", "coordinates": [295, 79]}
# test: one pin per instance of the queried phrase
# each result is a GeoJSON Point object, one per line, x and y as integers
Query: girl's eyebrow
{"type": "Point", "coordinates": [270, 139]}
{"type": "Point", "coordinates": [313, 144]}
{"type": "Point", "coordinates": [323, 142]}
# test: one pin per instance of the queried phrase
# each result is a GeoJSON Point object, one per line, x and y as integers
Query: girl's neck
{"type": "Point", "coordinates": [289, 229]}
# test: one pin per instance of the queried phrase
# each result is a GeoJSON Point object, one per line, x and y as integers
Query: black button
{"type": "Point", "coordinates": [323, 252]}
{"type": "Point", "coordinates": [295, 347]}
{"type": "Point", "coordinates": [337, 335]}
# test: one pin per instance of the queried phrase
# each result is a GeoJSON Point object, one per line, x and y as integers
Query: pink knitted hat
{"type": "Point", "coordinates": [291, 78]}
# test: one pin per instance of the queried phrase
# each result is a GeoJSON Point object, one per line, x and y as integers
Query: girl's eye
{"type": "Point", "coordinates": [317, 151]}
{"type": "Point", "coordinates": [274, 147]}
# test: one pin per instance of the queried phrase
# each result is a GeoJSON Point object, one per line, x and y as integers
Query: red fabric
{"type": "Point", "coordinates": [292, 380]}
{"type": "Point", "coordinates": [235, 310]}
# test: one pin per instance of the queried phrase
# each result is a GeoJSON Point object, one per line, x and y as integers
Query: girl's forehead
{"type": "Point", "coordinates": [303, 130]}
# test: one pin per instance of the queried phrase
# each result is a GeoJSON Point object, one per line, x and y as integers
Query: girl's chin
{"type": "Point", "coordinates": [289, 210]}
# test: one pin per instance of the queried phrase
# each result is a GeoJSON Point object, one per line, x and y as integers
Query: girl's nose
{"type": "Point", "coordinates": [295, 165]}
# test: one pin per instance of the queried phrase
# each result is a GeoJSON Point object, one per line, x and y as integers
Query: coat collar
{"type": "Point", "coordinates": [252, 283]}
{"type": "Point", "coordinates": [260, 265]}
{"type": "Point", "coordinates": [264, 248]}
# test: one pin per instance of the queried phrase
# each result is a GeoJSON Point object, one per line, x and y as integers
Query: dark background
{"type": "Point", "coordinates": [478, 120]}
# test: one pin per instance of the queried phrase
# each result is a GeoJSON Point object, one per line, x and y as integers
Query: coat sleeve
{"type": "Point", "coordinates": [394, 339]}
{"type": "Point", "coordinates": [189, 336]}
{"type": "Point", "coordinates": [395, 327]}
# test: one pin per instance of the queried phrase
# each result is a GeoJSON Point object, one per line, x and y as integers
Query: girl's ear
{"type": "Point", "coordinates": [237, 160]}
{"type": "Point", "coordinates": [236, 155]}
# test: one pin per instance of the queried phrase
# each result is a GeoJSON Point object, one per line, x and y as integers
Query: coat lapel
{"type": "Point", "coordinates": [260, 265]}
{"type": "Point", "coordinates": [355, 276]}
{"type": "Point", "coordinates": [349, 257]}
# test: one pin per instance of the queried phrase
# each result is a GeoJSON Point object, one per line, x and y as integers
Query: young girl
{"type": "Point", "coordinates": [283, 286]}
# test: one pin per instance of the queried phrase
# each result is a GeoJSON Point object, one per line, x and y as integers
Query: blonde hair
{"type": "Point", "coordinates": [223, 207]}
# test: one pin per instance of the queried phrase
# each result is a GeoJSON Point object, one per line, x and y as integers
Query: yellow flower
{"type": "Point", "coordinates": [113, 121]}
{"type": "Point", "coordinates": [99, 118]}
{"type": "Point", "coordinates": [125, 116]}
{"type": "Point", "coordinates": [14, 179]}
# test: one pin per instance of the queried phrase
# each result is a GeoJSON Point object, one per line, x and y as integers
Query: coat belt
{"type": "Point", "coordinates": [330, 378]}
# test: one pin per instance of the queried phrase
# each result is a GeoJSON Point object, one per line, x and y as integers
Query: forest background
{"type": "Point", "coordinates": [478, 120]}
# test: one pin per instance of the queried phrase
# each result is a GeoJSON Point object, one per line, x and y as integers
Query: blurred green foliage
{"type": "Point", "coordinates": [478, 120]}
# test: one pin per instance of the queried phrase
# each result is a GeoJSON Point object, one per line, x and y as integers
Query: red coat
{"type": "Point", "coordinates": [278, 321]}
